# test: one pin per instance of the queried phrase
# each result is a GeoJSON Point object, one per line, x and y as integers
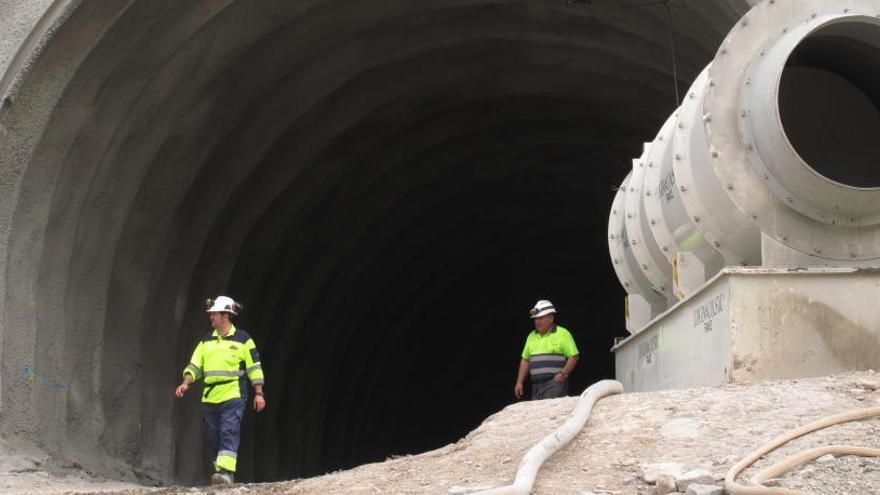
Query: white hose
{"type": "Point", "coordinates": [535, 457]}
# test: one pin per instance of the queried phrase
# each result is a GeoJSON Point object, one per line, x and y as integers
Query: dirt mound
{"type": "Point", "coordinates": [709, 428]}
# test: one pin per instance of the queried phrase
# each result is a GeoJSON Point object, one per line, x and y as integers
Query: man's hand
{"type": "Point", "coordinates": [259, 403]}
{"type": "Point", "coordinates": [181, 389]}
{"type": "Point", "coordinates": [520, 377]}
{"type": "Point", "coordinates": [558, 378]}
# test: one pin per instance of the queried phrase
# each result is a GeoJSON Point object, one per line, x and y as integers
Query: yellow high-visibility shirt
{"type": "Point", "coordinates": [223, 362]}
{"type": "Point", "coordinates": [556, 341]}
{"type": "Point", "coordinates": [547, 353]}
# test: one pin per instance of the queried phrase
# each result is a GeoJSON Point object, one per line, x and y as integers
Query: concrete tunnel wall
{"type": "Point", "coordinates": [386, 185]}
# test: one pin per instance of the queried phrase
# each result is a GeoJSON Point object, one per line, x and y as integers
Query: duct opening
{"type": "Point", "coordinates": [829, 102]}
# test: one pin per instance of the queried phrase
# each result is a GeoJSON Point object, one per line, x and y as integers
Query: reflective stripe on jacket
{"type": "Point", "coordinates": [223, 362]}
{"type": "Point", "coordinates": [544, 366]}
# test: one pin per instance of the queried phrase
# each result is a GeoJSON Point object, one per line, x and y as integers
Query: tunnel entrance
{"type": "Point", "coordinates": [387, 186]}
{"type": "Point", "coordinates": [401, 329]}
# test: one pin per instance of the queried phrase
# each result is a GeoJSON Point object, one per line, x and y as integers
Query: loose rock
{"type": "Point", "coordinates": [651, 471]}
{"type": "Point", "coordinates": [696, 476]}
{"type": "Point", "coordinates": [698, 489]}
{"type": "Point", "coordinates": [665, 484]}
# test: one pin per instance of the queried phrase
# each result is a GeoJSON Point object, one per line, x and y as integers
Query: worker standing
{"type": "Point", "coordinates": [223, 358]}
{"type": "Point", "coordinates": [549, 355]}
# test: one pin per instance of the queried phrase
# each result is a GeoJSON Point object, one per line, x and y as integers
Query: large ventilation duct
{"type": "Point", "coordinates": [770, 159]}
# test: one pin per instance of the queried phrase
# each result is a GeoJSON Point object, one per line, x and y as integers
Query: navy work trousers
{"type": "Point", "coordinates": [549, 389]}
{"type": "Point", "coordinates": [222, 426]}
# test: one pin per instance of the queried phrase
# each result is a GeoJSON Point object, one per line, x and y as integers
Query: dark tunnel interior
{"type": "Point", "coordinates": [436, 273]}
{"type": "Point", "coordinates": [387, 187]}
{"type": "Point", "coordinates": [830, 100]}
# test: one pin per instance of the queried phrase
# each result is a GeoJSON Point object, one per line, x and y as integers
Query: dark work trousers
{"type": "Point", "coordinates": [222, 427]}
{"type": "Point", "coordinates": [549, 389]}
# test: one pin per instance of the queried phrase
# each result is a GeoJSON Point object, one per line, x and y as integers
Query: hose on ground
{"type": "Point", "coordinates": [734, 488]}
{"type": "Point", "coordinates": [535, 457]}
{"type": "Point", "coordinates": [808, 455]}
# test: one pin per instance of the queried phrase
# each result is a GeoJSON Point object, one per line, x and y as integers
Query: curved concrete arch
{"type": "Point", "coordinates": [318, 160]}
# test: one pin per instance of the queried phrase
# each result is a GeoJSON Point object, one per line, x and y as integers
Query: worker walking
{"type": "Point", "coordinates": [223, 358]}
{"type": "Point", "coordinates": [549, 355]}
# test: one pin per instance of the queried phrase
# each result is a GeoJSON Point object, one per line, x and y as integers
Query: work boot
{"type": "Point", "coordinates": [222, 478]}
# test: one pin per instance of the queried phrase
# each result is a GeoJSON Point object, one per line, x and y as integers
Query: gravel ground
{"type": "Point", "coordinates": [710, 428]}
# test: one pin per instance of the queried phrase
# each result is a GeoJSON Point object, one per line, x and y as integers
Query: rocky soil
{"type": "Point", "coordinates": [26, 470]}
{"type": "Point", "coordinates": [707, 428]}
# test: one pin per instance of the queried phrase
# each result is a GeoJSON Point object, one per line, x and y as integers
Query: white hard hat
{"type": "Point", "coordinates": [542, 307]}
{"type": "Point", "coordinates": [223, 304]}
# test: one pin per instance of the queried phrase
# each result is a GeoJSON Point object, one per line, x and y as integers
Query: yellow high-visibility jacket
{"type": "Point", "coordinates": [223, 362]}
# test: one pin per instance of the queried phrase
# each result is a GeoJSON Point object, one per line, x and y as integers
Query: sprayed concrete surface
{"type": "Point", "coordinates": [363, 175]}
{"type": "Point", "coordinates": [710, 428]}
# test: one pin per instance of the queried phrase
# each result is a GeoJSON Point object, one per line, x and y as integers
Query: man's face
{"type": "Point", "coordinates": [544, 323]}
{"type": "Point", "coordinates": [216, 318]}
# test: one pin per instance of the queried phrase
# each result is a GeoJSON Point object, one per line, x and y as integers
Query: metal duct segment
{"type": "Point", "coordinates": [671, 224]}
{"type": "Point", "coordinates": [775, 141]}
{"type": "Point", "coordinates": [674, 203]}
{"type": "Point", "coordinates": [649, 257]}
{"type": "Point", "coordinates": [625, 265]}
{"type": "Point", "coordinates": [717, 232]}
{"type": "Point", "coordinates": [659, 180]}
{"type": "Point", "coordinates": [792, 119]}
